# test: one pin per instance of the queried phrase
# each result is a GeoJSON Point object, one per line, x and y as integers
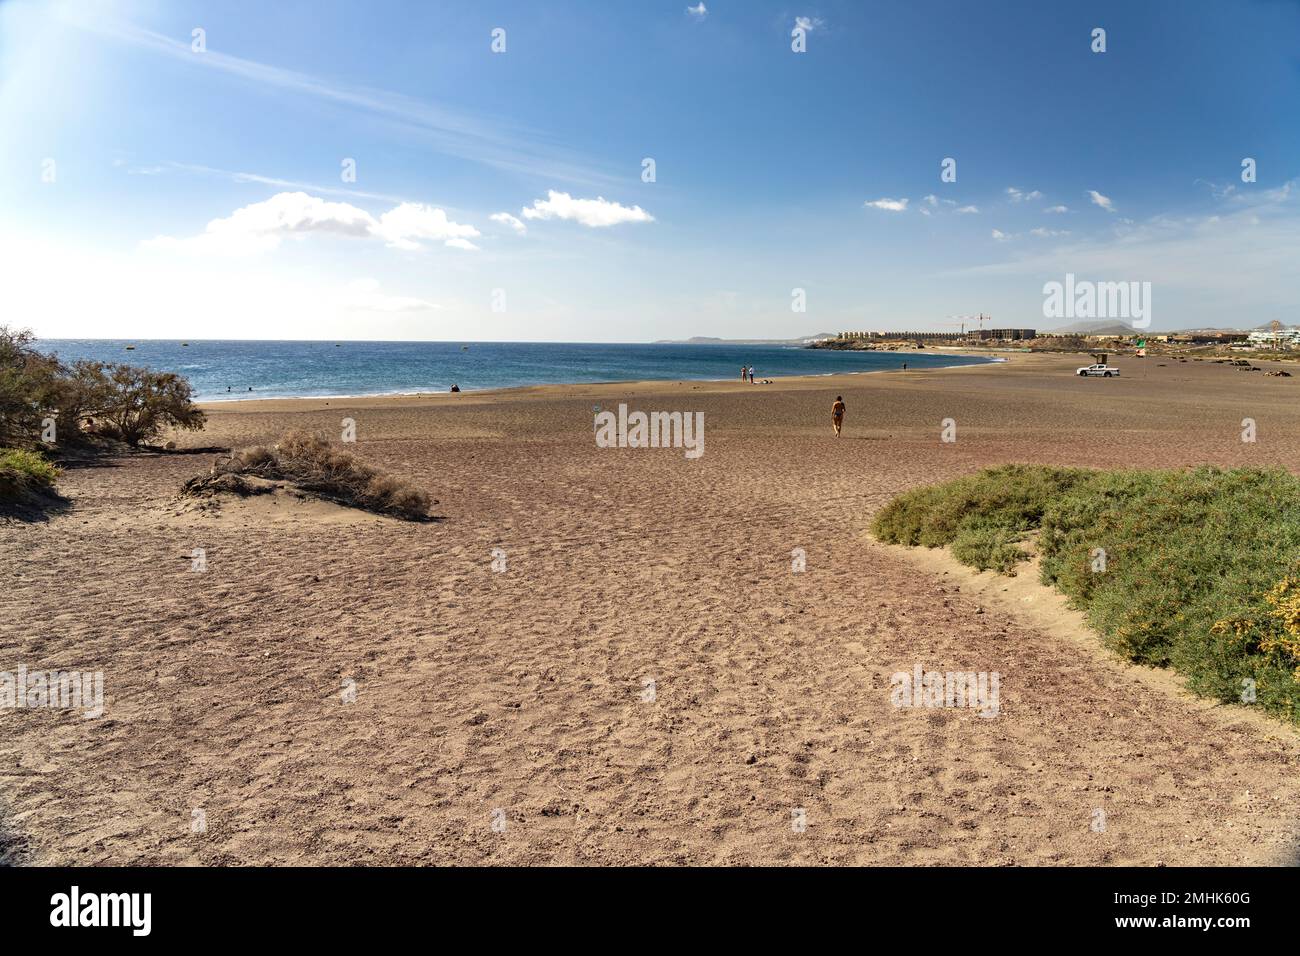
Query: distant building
{"type": "Point", "coordinates": [980, 335]}
{"type": "Point", "coordinates": [1206, 338]}
{"type": "Point", "coordinates": [1003, 335]}
{"type": "Point", "coordinates": [1282, 338]}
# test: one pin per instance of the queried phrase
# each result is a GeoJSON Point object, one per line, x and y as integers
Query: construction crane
{"type": "Point", "coordinates": [980, 318]}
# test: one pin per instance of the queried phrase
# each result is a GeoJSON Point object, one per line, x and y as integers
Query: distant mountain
{"type": "Point", "coordinates": [1119, 328]}
{"type": "Point", "coordinates": [1095, 328]}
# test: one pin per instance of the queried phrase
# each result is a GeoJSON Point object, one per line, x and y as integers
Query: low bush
{"type": "Point", "coordinates": [311, 464]}
{"type": "Point", "coordinates": [29, 464]}
{"type": "Point", "coordinates": [26, 480]}
{"type": "Point", "coordinates": [1196, 569]}
{"type": "Point", "coordinates": [132, 404]}
{"type": "Point", "coordinates": [88, 399]}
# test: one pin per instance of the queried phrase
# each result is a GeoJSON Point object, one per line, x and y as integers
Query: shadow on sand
{"type": "Point", "coordinates": [15, 849]}
{"type": "Point", "coordinates": [34, 507]}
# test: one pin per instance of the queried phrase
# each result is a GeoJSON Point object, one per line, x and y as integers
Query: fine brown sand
{"type": "Point", "coordinates": [520, 698]}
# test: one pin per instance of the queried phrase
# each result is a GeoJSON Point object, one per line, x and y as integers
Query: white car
{"type": "Point", "coordinates": [1106, 371]}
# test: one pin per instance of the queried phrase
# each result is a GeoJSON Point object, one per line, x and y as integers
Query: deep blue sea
{"type": "Point", "coordinates": [220, 370]}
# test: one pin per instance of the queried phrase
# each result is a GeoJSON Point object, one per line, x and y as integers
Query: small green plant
{"type": "Point", "coordinates": [26, 483]}
{"type": "Point", "coordinates": [17, 461]}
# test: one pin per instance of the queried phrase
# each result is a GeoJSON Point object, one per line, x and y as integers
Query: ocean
{"type": "Point", "coordinates": [221, 370]}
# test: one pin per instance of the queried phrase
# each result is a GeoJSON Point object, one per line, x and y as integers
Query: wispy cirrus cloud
{"type": "Point", "coordinates": [1217, 190]}
{"type": "Point", "coordinates": [494, 142]}
{"type": "Point", "coordinates": [237, 176]}
{"type": "Point", "coordinates": [364, 295]}
{"type": "Point", "coordinates": [508, 220]}
{"type": "Point", "coordinates": [1240, 257]}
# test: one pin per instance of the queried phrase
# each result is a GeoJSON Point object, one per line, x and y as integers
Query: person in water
{"type": "Point", "coordinates": [837, 414]}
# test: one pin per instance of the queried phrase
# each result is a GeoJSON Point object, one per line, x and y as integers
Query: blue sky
{"type": "Point", "coordinates": [148, 190]}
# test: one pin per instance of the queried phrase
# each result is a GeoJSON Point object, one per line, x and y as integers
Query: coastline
{"type": "Point", "coordinates": [371, 399]}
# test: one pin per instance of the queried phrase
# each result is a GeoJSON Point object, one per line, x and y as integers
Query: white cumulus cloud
{"type": "Point", "coordinates": [699, 11]}
{"type": "Point", "coordinates": [596, 213]}
{"type": "Point", "coordinates": [1099, 200]}
{"type": "Point", "coordinates": [892, 205]}
{"type": "Point", "coordinates": [262, 226]}
{"type": "Point", "coordinates": [402, 225]}
{"type": "Point", "coordinates": [968, 210]}
{"type": "Point", "coordinates": [1016, 195]}
{"type": "Point", "coordinates": [1056, 209]}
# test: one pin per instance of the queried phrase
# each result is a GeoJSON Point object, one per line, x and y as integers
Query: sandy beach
{"type": "Point", "coordinates": [647, 681]}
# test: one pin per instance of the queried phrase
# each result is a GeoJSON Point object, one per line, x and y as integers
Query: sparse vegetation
{"type": "Point", "coordinates": [1200, 570]}
{"type": "Point", "coordinates": [32, 386]}
{"type": "Point", "coordinates": [26, 479]}
{"type": "Point", "coordinates": [28, 463]}
{"type": "Point", "coordinates": [133, 404]}
{"type": "Point", "coordinates": [311, 464]}
{"type": "Point", "coordinates": [85, 400]}
{"type": "Point", "coordinates": [85, 403]}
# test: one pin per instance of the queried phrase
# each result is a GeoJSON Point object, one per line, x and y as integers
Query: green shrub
{"type": "Point", "coordinates": [1200, 566]}
{"type": "Point", "coordinates": [117, 401]}
{"type": "Point", "coordinates": [20, 462]}
{"type": "Point", "coordinates": [32, 386]}
{"type": "Point", "coordinates": [26, 482]}
{"type": "Point", "coordinates": [989, 548]}
{"type": "Point", "coordinates": [1010, 497]}
{"type": "Point", "coordinates": [133, 404]}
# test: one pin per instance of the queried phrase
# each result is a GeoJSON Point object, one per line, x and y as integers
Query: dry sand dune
{"type": "Point", "coordinates": [524, 692]}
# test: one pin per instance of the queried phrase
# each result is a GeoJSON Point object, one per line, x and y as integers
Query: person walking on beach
{"type": "Point", "coordinates": [837, 414]}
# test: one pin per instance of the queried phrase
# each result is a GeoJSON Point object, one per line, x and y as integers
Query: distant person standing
{"type": "Point", "coordinates": [837, 414]}
{"type": "Point", "coordinates": [744, 372]}
{"type": "Point", "coordinates": [751, 375]}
